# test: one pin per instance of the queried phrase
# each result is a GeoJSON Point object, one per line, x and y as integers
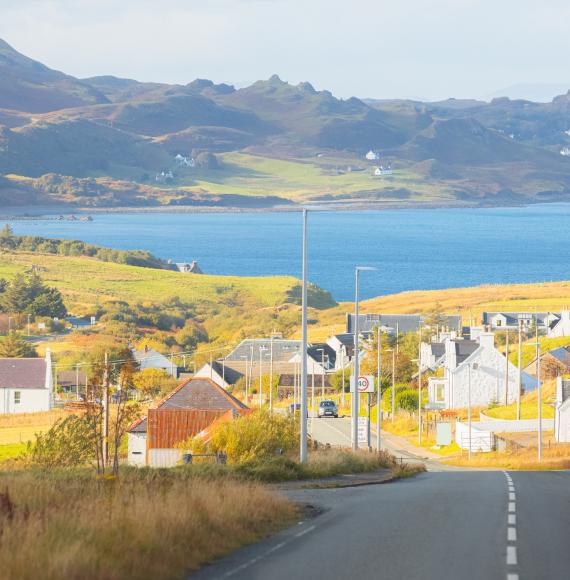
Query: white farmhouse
{"type": "Point", "coordinates": [561, 327]}
{"type": "Point", "coordinates": [484, 369]}
{"type": "Point", "coordinates": [562, 411]}
{"type": "Point", "coordinates": [372, 156]}
{"type": "Point", "coordinates": [25, 384]}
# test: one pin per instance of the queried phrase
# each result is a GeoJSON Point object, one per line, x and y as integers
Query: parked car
{"type": "Point", "coordinates": [294, 408]}
{"type": "Point", "coordinates": [328, 409]}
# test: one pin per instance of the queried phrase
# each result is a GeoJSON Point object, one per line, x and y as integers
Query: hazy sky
{"type": "Point", "coordinates": [427, 49]}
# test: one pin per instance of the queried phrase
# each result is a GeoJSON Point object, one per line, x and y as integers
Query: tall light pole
{"type": "Point", "coordinates": [420, 388]}
{"type": "Point", "coordinates": [303, 435]}
{"type": "Point", "coordinates": [393, 351]}
{"type": "Point", "coordinates": [507, 367]}
{"type": "Point", "coordinates": [539, 397]}
{"type": "Point", "coordinates": [379, 396]}
{"type": "Point", "coordinates": [246, 388]}
{"type": "Point", "coordinates": [519, 374]}
{"type": "Point", "coordinates": [262, 349]}
{"type": "Point", "coordinates": [475, 366]}
{"type": "Point", "coordinates": [356, 369]}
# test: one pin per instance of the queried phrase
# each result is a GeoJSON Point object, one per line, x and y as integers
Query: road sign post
{"type": "Point", "coordinates": [365, 384]}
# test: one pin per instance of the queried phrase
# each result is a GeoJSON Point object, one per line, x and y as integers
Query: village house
{"type": "Point", "coordinates": [553, 363]}
{"type": "Point", "coordinates": [189, 268]}
{"type": "Point", "coordinates": [562, 411]}
{"type": "Point", "coordinates": [511, 320]}
{"type": "Point", "coordinates": [381, 170]}
{"type": "Point", "coordinates": [560, 327]}
{"type": "Point", "coordinates": [72, 381]}
{"type": "Point", "coordinates": [392, 323]}
{"type": "Point", "coordinates": [372, 155]}
{"type": "Point", "coordinates": [223, 373]}
{"type": "Point", "coordinates": [148, 358]}
{"type": "Point", "coordinates": [191, 408]}
{"type": "Point", "coordinates": [343, 346]}
{"type": "Point", "coordinates": [26, 384]}
{"type": "Point", "coordinates": [492, 378]}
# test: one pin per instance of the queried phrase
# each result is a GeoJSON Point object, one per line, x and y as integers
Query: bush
{"type": "Point", "coordinates": [387, 394]}
{"type": "Point", "coordinates": [407, 400]}
{"type": "Point", "coordinates": [255, 436]}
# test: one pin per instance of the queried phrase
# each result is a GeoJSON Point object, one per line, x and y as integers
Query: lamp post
{"type": "Point", "coordinates": [262, 349]}
{"type": "Point", "coordinates": [322, 351]}
{"type": "Point", "coordinates": [379, 396]}
{"type": "Point", "coordinates": [420, 388]}
{"type": "Point", "coordinates": [519, 374]}
{"type": "Point", "coordinates": [393, 351]}
{"type": "Point", "coordinates": [303, 430]}
{"type": "Point", "coordinates": [355, 394]}
{"type": "Point", "coordinates": [246, 389]}
{"type": "Point", "coordinates": [271, 379]}
{"type": "Point", "coordinates": [470, 366]}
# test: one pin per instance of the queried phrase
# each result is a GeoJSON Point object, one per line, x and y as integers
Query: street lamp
{"type": "Point", "coordinates": [393, 351]}
{"type": "Point", "coordinates": [322, 351]}
{"type": "Point", "coordinates": [470, 366]}
{"type": "Point", "coordinates": [379, 396]}
{"type": "Point", "coordinates": [244, 356]}
{"type": "Point", "coordinates": [420, 388]}
{"type": "Point", "coordinates": [355, 394]}
{"type": "Point", "coordinates": [262, 350]}
{"type": "Point", "coordinates": [303, 429]}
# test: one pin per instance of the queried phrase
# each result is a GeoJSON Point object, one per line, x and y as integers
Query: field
{"type": "Point", "coordinates": [469, 302]}
{"type": "Point", "coordinates": [303, 179]}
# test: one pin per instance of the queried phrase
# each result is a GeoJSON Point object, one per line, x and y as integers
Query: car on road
{"type": "Point", "coordinates": [328, 409]}
{"type": "Point", "coordinates": [294, 408]}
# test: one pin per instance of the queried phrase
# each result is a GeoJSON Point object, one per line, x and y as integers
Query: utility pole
{"type": "Point", "coordinates": [106, 412]}
{"type": "Point", "coordinates": [77, 381]}
{"type": "Point", "coordinates": [355, 394]}
{"type": "Point", "coordinates": [303, 435]}
{"type": "Point", "coordinates": [323, 373]}
{"type": "Point", "coordinates": [393, 384]}
{"type": "Point", "coordinates": [342, 364]}
{"type": "Point", "coordinates": [28, 325]}
{"type": "Point", "coordinates": [539, 391]}
{"type": "Point", "coordinates": [507, 368]}
{"type": "Point", "coordinates": [271, 379]}
{"type": "Point", "coordinates": [519, 374]}
{"type": "Point", "coordinates": [469, 408]}
{"type": "Point", "coordinates": [260, 376]}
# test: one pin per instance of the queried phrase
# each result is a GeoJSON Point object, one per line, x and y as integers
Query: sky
{"type": "Point", "coordinates": [424, 49]}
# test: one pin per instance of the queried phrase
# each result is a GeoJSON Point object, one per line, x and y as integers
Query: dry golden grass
{"type": "Point", "coordinates": [548, 296]}
{"type": "Point", "coordinates": [148, 525]}
{"type": "Point", "coordinates": [554, 457]}
{"type": "Point", "coordinates": [21, 428]}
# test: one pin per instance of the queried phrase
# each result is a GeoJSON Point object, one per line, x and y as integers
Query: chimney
{"type": "Point", "coordinates": [487, 340]}
{"type": "Point", "coordinates": [450, 355]}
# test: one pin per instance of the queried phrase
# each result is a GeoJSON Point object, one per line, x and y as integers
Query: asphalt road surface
{"type": "Point", "coordinates": [456, 525]}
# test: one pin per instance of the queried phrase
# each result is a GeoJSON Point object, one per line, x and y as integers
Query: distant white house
{"type": "Point", "coordinates": [565, 152]}
{"type": "Point", "coordinates": [372, 156]}
{"type": "Point", "coordinates": [511, 320]}
{"type": "Point", "coordinates": [183, 161]}
{"type": "Point", "coordinates": [164, 176]}
{"type": "Point", "coordinates": [561, 327]}
{"type": "Point", "coordinates": [148, 358]}
{"type": "Point", "coordinates": [189, 268]}
{"type": "Point", "coordinates": [562, 411]}
{"type": "Point", "coordinates": [382, 170]}
{"type": "Point", "coordinates": [26, 384]}
{"type": "Point", "coordinates": [483, 369]}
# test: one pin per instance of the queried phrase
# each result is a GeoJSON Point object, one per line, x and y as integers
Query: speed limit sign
{"type": "Point", "coordinates": [365, 384]}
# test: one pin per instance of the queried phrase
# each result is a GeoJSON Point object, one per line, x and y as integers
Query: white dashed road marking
{"type": "Point", "coordinates": [512, 557]}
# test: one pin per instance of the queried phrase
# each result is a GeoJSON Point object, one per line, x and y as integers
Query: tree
{"type": "Point", "coordinates": [48, 303]}
{"type": "Point", "coordinates": [7, 238]}
{"type": "Point", "coordinates": [16, 296]}
{"type": "Point", "coordinates": [435, 318]}
{"type": "Point", "coordinates": [151, 382]}
{"type": "Point", "coordinates": [14, 346]}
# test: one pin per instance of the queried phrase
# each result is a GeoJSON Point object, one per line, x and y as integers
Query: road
{"type": "Point", "coordinates": [467, 525]}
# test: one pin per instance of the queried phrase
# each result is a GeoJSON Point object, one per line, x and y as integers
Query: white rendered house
{"type": "Point", "coordinates": [26, 384]}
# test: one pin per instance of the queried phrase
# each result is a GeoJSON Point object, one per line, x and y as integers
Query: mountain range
{"type": "Point", "coordinates": [107, 141]}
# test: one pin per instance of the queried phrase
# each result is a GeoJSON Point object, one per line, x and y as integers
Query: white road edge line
{"type": "Point", "coordinates": [512, 497]}
{"type": "Point", "coordinates": [512, 507]}
{"type": "Point", "coordinates": [512, 577]}
{"type": "Point", "coordinates": [302, 533]}
{"type": "Point", "coordinates": [511, 534]}
{"type": "Point", "coordinates": [511, 556]}
{"type": "Point", "coordinates": [512, 520]}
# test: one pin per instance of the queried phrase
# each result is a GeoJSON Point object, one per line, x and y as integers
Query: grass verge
{"type": "Point", "coordinates": [147, 524]}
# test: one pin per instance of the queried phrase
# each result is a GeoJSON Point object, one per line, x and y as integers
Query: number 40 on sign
{"type": "Point", "coordinates": [365, 384]}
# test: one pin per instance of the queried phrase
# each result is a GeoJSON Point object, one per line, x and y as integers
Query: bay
{"type": "Point", "coordinates": [412, 249]}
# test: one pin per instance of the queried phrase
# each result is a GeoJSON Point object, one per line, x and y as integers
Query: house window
{"type": "Point", "coordinates": [439, 393]}
{"type": "Point", "coordinates": [498, 323]}
{"type": "Point", "coordinates": [17, 397]}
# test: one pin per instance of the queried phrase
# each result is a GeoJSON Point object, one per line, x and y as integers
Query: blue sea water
{"type": "Point", "coordinates": [412, 249]}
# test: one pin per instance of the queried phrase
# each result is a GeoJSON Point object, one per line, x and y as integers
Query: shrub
{"type": "Point", "coordinates": [407, 400]}
{"type": "Point", "coordinates": [255, 436]}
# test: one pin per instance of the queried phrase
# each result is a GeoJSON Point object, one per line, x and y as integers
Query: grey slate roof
{"type": "Point", "coordinates": [404, 322]}
{"type": "Point", "coordinates": [330, 355]}
{"type": "Point", "coordinates": [231, 375]}
{"type": "Point", "coordinates": [23, 373]}
{"type": "Point", "coordinates": [283, 349]}
{"type": "Point", "coordinates": [561, 354]}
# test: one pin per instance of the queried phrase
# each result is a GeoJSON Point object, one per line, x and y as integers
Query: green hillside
{"type": "Point", "coordinates": [107, 141]}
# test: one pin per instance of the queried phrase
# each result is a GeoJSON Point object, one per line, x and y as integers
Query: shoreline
{"type": "Point", "coordinates": [31, 213]}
